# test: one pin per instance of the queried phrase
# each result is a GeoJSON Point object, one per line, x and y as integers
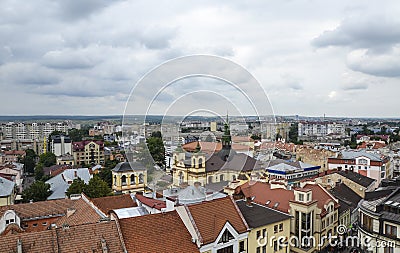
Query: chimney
{"type": "Point", "coordinates": [19, 246]}
{"type": "Point", "coordinates": [70, 211]}
{"type": "Point", "coordinates": [249, 202]}
{"type": "Point", "coordinates": [104, 245]}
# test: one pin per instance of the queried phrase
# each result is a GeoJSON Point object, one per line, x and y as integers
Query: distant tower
{"type": "Point", "coordinates": [226, 137]}
{"type": "Point", "coordinates": [44, 145]}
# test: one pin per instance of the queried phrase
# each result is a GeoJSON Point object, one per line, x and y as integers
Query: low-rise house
{"type": "Point", "coordinates": [267, 227]}
{"type": "Point", "coordinates": [129, 177]}
{"type": "Point", "coordinates": [7, 192]}
{"type": "Point", "coordinates": [43, 215]}
{"type": "Point", "coordinates": [60, 183]}
{"type": "Point", "coordinates": [216, 226]}
{"type": "Point", "coordinates": [15, 172]}
{"type": "Point", "coordinates": [13, 156]}
{"type": "Point", "coordinates": [379, 222]}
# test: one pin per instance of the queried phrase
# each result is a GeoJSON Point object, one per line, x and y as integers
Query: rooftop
{"type": "Point", "coordinates": [127, 166]}
{"type": "Point", "coordinates": [258, 215]}
{"type": "Point", "coordinates": [106, 204]}
{"type": "Point", "coordinates": [211, 216]}
{"type": "Point", "coordinates": [163, 232]}
{"type": "Point", "coordinates": [6, 187]}
{"type": "Point", "coordinates": [357, 178]}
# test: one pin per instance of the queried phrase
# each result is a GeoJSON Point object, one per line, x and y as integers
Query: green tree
{"type": "Point", "coordinates": [97, 188]}
{"type": "Point", "coordinates": [156, 148]}
{"type": "Point", "coordinates": [294, 133]}
{"type": "Point", "coordinates": [47, 159]}
{"type": "Point", "coordinates": [105, 173]}
{"type": "Point", "coordinates": [77, 187]}
{"type": "Point", "coordinates": [38, 191]}
{"type": "Point", "coordinates": [29, 161]}
{"type": "Point", "coordinates": [156, 134]}
{"type": "Point", "coordinates": [39, 173]}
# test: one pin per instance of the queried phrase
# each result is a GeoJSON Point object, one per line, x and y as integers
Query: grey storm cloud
{"type": "Point", "coordinates": [362, 32]}
{"type": "Point", "coordinates": [99, 49]}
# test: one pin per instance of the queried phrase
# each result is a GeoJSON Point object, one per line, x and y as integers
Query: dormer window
{"type": "Point", "coordinates": [301, 197]}
{"type": "Point", "coordinates": [226, 237]}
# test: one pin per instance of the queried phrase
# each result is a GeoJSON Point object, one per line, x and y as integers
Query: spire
{"type": "Point", "coordinates": [198, 147]}
{"type": "Point", "coordinates": [226, 137]}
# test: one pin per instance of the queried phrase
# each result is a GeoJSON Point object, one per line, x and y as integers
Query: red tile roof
{"type": "Point", "coordinates": [80, 145]}
{"type": "Point", "coordinates": [83, 238]}
{"type": "Point", "coordinates": [263, 193]}
{"type": "Point", "coordinates": [106, 204]}
{"type": "Point", "coordinates": [153, 203]}
{"type": "Point", "coordinates": [371, 145]}
{"type": "Point", "coordinates": [211, 216]}
{"type": "Point", "coordinates": [15, 152]}
{"type": "Point", "coordinates": [163, 232]}
{"type": "Point", "coordinates": [80, 211]}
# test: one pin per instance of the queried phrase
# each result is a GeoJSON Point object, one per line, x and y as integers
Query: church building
{"type": "Point", "coordinates": [225, 165]}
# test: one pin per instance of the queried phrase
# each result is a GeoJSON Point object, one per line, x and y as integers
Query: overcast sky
{"type": "Point", "coordinates": [341, 58]}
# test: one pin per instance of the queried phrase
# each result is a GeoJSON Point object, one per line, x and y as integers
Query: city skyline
{"type": "Point", "coordinates": [70, 58]}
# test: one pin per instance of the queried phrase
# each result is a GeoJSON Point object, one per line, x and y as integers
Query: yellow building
{"type": "Point", "coordinates": [223, 166]}
{"type": "Point", "coordinates": [88, 152]}
{"type": "Point", "coordinates": [269, 228]}
{"type": "Point", "coordinates": [129, 177]}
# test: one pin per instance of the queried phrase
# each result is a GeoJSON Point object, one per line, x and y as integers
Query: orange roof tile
{"type": "Point", "coordinates": [211, 216]}
{"type": "Point", "coordinates": [106, 204]}
{"type": "Point", "coordinates": [153, 203]}
{"type": "Point", "coordinates": [263, 193]}
{"type": "Point", "coordinates": [163, 232]}
{"type": "Point", "coordinates": [83, 238]}
{"type": "Point", "coordinates": [83, 213]}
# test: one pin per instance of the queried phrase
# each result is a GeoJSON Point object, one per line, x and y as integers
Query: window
{"type": "Point", "coordinates": [390, 230]}
{"type": "Point", "coordinates": [123, 180]}
{"type": "Point", "coordinates": [301, 197]}
{"type": "Point", "coordinates": [9, 221]}
{"type": "Point", "coordinates": [34, 225]}
{"type": "Point", "coordinates": [275, 245]}
{"type": "Point", "coordinates": [133, 181]}
{"type": "Point", "coordinates": [388, 250]}
{"type": "Point", "coordinates": [141, 178]}
{"type": "Point", "coordinates": [241, 246]}
{"type": "Point", "coordinates": [221, 178]}
{"type": "Point", "coordinates": [258, 234]}
{"type": "Point", "coordinates": [281, 227]}
{"type": "Point", "coordinates": [115, 180]}
{"type": "Point", "coordinates": [275, 229]}
{"type": "Point", "coordinates": [367, 222]}
{"type": "Point", "coordinates": [228, 249]}
{"type": "Point", "coordinates": [226, 237]}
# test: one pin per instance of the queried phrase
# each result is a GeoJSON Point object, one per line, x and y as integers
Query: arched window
{"type": "Point", "coordinates": [133, 179]}
{"type": "Point", "coordinates": [115, 180]}
{"type": "Point", "coordinates": [200, 162]}
{"type": "Point", "coordinates": [123, 180]}
{"type": "Point", "coordinates": [180, 177]}
{"type": "Point", "coordinates": [141, 178]}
